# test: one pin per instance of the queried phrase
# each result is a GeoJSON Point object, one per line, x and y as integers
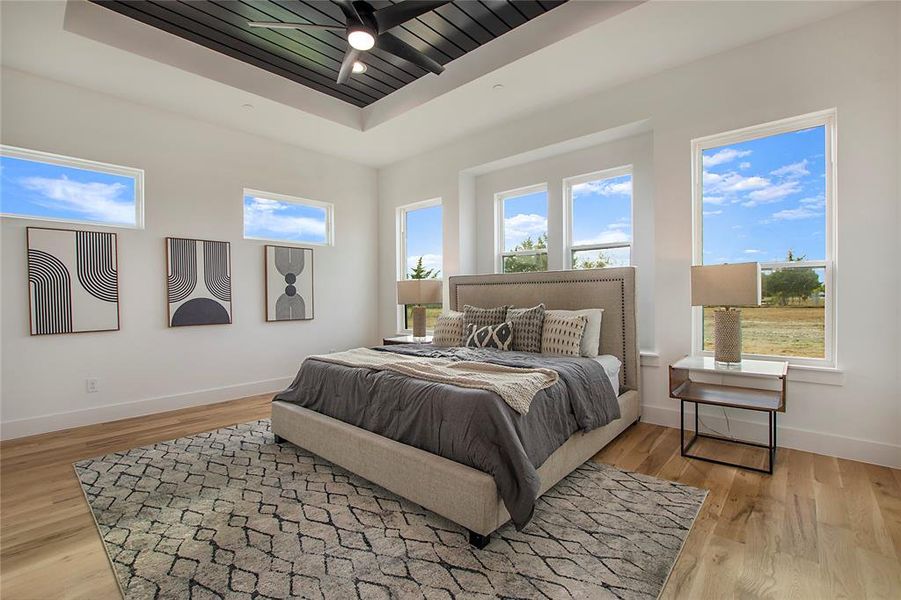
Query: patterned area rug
{"type": "Point", "coordinates": [231, 514]}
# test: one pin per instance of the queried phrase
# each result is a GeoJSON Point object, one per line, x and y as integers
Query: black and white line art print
{"type": "Point", "coordinates": [198, 282]}
{"type": "Point", "coordinates": [73, 281]}
{"type": "Point", "coordinates": [289, 283]}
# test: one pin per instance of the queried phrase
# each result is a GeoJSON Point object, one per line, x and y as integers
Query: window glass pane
{"type": "Point", "coordinates": [32, 188]}
{"type": "Point", "coordinates": [602, 211]}
{"type": "Point", "coordinates": [424, 243]}
{"type": "Point", "coordinates": [525, 222]}
{"type": "Point", "coordinates": [596, 259]}
{"type": "Point", "coordinates": [765, 198]}
{"type": "Point", "coordinates": [432, 311]}
{"type": "Point", "coordinates": [530, 262]}
{"type": "Point", "coordinates": [792, 319]}
{"type": "Point", "coordinates": [269, 219]}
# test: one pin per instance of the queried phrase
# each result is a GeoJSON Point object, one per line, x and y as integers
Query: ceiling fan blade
{"type": "Point", "coordinates": [278, 25]}
{"type": "Point", "coordinates": [400, 48]}
{"type": "Point", "coordinates": [347, 64]}
{"type": "Point", "coordinates": [350, 11]}
{"type": "Point", "coordinates": [394, 15]}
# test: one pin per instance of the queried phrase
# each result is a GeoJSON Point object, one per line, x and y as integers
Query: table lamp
{"type": "Point", "coordinates": [725, 287]}
{"type": "Point", "coordinates": [419, 292]}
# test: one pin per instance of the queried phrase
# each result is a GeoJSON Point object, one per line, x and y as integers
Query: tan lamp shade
{"type": "Point", "coordinates": [726, 285]}
{"type": "Point", "coordinates": [419, 291]}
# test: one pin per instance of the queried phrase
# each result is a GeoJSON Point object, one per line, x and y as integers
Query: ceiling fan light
{"type": "Point", "coordinates": [360, 39]}
{"type": "Point", "coordinates": [359, 68]}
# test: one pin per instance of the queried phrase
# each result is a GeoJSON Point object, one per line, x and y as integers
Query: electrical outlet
{"type": "Point", "coordinates": [91, 385]}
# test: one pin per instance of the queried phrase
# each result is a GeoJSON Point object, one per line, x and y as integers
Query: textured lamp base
{"type": "Point", "coordinates": [727, 335]}
{"type": "Point", "coordinates": [419, 322]}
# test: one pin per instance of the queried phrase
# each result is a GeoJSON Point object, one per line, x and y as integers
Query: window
{"type": "Point", "coordinates": [599, 219]}
{"type": "Point", "coordinates": [420, 242]}
{"type": "Point", "coordinates": [522, 224]}
{"type": "Point", "coordinates": [48, 187]}
{"type": "Point", "coordinates": [283, 218]}
{"type": "Point", "coordinates": [765, 194]}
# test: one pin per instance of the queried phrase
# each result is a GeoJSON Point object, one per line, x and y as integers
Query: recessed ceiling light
{"type": "Point", "coordinates": [360, 39]}
{"type": "Point", "coordinates": [247, 106]}
{"type": "Point", "coordinates": [497, 86]}
{"type": "Point", "coordinates": [359, 68]}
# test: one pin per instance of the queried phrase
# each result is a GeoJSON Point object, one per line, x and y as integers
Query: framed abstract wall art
{"type": "Point", "coordinates": [198, 282]}
{"type": "Point", "coordinates": [289, 283]}
{"type": "Point", "coordinates": [73, 281]}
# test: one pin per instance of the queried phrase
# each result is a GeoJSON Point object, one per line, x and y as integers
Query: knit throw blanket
{"type": "Point", "coordinates": [516, 386]}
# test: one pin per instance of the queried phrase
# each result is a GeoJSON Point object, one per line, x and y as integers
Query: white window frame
{"type": "Point", "coordinates": [827, 119]}
{"type": "Point", "coordinates": [568, 184]}
{"type": "Point", "coordinates": [327, 206]}
{"type": "Point", "coordinates": [499, 199]}
{"type": "Point", "coordinates": [401, 236]}
{"type": "Point", "coordinates": [88, 165]}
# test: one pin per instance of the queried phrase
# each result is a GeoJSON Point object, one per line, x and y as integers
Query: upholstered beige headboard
{"type": "Point", "coordinates": [612, 289]}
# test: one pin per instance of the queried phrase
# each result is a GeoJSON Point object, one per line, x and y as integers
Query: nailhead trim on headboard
{"type": "Point", "coordinates": [622, 295]}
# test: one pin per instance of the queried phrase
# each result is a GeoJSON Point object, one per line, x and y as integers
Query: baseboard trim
{"type": "Point", "coordinates": [136, 408]}
{"type": "Point", "coordinates": [829, 444]}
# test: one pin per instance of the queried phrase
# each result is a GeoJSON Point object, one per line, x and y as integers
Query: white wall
{"type": "Point", "coordinates": [840, 62]}
{"type": "Point", "coordinates": [194, 174]}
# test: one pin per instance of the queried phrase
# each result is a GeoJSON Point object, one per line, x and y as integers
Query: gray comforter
{"type": "Point", "coordinates": [470, 426]}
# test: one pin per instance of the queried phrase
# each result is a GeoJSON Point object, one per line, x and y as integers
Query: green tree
{"type": "Point", "coordinates": [586, 263]}
{"type": "Point", "coordinates": [522, 264]}
{"type": "Point", "coordinates": [420, 272]}
{"type": "Point", "coordinates": [786, 285]}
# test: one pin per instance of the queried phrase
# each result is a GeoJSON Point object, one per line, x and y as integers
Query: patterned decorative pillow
{"type": "Point", "coordinates": [591, 337]}
{"type": "Point", "coordinates": [449, 329]}
{"type": "Point", "coordinates": [480, 317]}
{"type": "Point", "coordinates": [562, 335]}
{"type": "Point", "coordinates": [498, 336]}
{"type": "Point", "coordinates": [528, 324]}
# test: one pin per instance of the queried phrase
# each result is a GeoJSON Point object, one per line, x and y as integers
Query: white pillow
{"type": "Point", "coordinates": [591, 337]}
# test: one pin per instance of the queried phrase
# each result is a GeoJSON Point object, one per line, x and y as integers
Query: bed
{"type": "Point", "coordinates": [466, 495]}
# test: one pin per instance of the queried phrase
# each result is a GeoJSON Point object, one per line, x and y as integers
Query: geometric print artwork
{"type": "Point", "coordinates": [289, 283]}
{"type": "Point", "coordinates": [198, 282]}
{"type": "Point", "coordinates": [73, 281]}
{"type": "Point", "coordinates": [232, 514]}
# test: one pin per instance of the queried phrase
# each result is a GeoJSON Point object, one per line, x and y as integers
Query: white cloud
{"type": "Point", "coordinates": [605, 187]}
{"type": "Point", "coordinates": [798, 169]}
{"type": "Point", "coordinates": [753, 251]}
{"type": "Point", "coordinates": [262, 218]}
{"type": "Point", "coordinates": [518, 227]}
{"type": "Point", "coordinates": [724, 156]}
{"type": "Point", "coordinates": [732, 182]}
{"type": "Point", "coordinates": [712, 213]}
{"type": "Point", "coordinates": [744, 165]}
{"type": "Point", "coordinates": [614, 233]}
{"type": "Point", "coordinates": [773, 193]}
{"type": "Point", "coordinates": [714, 200]}
{"type": "Point", "coordinates": [808, 208]}
{"type": "Point", "coordinates": [94, 200]}
{"type": "Point", "coordinates": [429, 261]}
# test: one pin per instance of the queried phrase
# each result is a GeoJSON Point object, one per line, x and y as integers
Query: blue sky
{"type": "Point", "coordinates": [524, 216]}
{"type": "Point", "coordinates": [765, 196]}
{"type": "Point", "coordinates": [46, 190]}
{"type": "Point", "coordinates": [424, 238]}
{"type": "Point", "coordinates": [284, 221]}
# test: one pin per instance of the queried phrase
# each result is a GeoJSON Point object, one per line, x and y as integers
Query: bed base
{"type": "Point", "coordinates": [455, 491]}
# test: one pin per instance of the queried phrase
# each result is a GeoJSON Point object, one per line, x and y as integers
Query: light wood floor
{"type": "Point", "coordinates": [818, 528]}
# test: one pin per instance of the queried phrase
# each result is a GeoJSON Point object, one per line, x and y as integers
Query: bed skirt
{"type": "Point", "coordinates": [455, 491]}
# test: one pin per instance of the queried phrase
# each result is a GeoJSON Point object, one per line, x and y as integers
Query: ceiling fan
{"type": "Point", "coordinates": [367, 27]}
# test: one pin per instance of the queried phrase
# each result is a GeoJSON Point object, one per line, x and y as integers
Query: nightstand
{"type": "Point", "coordinates": [405, 339]}
{"type": "Point", "coordinates": [708, 387]}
